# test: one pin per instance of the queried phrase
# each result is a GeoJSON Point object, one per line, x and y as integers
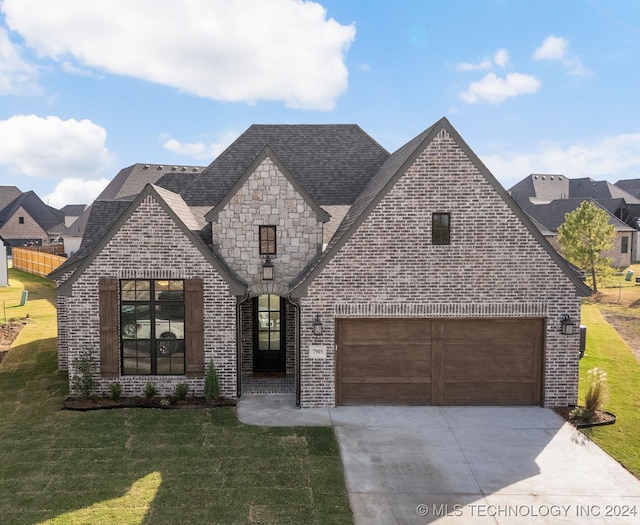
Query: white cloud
{"type": "Point", "coordinates": [553, 48]}
{"type": "Point", "coordinates": [231, 50]}
{"type": "Point", "coordinates": [497, 89]}
{"type": "Point", "coordinates": [501, 58]}
{"type": "Point", "coordinates": [485, 65]}
{"type": "Point", "coordinates": [75, 191]}
{"type": "Point", "coordinates": [17, 76]}
{"type": "Point", "coordinates": [200, 150]}
{"type": "Point", "coordinates": [54, 148]}
{"type": "Point", "coordinates": [607, 158]}
{"type": "Point", "coordinates": [557, 49]}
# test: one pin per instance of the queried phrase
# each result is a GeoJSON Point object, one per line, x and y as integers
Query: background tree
{"type": "Point", "coordinates": [585, 234]}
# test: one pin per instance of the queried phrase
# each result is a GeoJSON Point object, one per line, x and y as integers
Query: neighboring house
{"type": "Point", "coordinates": [429, 285]}
{"type": "Point", "coordinates": [72, 235]}
{"type": "Point", "coordinates": [72, 212]}
{"type": "Point", "coordinates": [7, 195]}
{"type": "Point", "coordinates": [631, 186]}
{"type": "Point", "coordinates": [29, 221]}
{"type": "Point", "coordinates": [549, 191]}
{"type": "Point", "coordinates": [549, 217]}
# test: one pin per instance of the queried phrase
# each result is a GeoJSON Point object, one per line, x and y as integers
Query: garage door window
{"type": "Point", "coordinates": [441, 228]}
{"type": "Point", "coordinates": [152, 326]}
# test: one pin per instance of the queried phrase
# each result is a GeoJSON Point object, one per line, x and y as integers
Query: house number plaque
{"type": "Point", "coordinates": [317, 351]}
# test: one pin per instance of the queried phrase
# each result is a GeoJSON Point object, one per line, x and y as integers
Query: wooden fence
{"type": "Point", "coordinates": [35, 262]}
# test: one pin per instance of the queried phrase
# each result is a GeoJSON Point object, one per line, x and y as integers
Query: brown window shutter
{"type": "Point", "coordinates": [109, 340]}
{"type": "Point", "coordinates": [194, 327]}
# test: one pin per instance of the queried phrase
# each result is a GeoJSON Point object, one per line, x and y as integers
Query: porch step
{"type": "Point", "coordinates": [261, 384]}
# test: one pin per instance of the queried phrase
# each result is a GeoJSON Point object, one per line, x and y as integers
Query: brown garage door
{"type": "Point", "coordinates": [439, 361]}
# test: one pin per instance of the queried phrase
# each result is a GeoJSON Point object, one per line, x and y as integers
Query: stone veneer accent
{"type": "Point", "coordinates": [494, 267]}
{"type": "Point", "coordinates": [267, 198]}
{"type": "Point", "coordinates": [135, 251]}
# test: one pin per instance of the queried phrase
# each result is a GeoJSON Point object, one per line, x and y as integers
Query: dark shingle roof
{"type": "Point", "coordinates": [552, 215]}
{"type": "Point", "coordinates": [130, 181]}
{"type": "Point", "coordinates": [46, 216]}
{"type": "Point", "coordinates": [73, 210]}
{"type": "Point", "coordinates": [332, 162]}
{"type": "Point", "coordinates": [631, 186]}
{"type": "Point", "coordinates": [7, 195]}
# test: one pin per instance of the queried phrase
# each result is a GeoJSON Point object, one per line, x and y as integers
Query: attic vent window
{"type": "Point", "coordinates": [20, 220]}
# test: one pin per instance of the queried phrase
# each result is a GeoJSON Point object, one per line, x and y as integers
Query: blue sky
{"type": "Point", "coordinates": [90, 86]}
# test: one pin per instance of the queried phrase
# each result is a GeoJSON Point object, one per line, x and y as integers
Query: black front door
{"type": "Point", "coordinates": [269, 344]}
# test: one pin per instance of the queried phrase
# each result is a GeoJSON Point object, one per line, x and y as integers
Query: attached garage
{"type": "Point", "coordinates": [439, 361]}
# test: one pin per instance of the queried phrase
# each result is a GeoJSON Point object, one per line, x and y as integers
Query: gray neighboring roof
{"type": "Point", "coordinates": [587, 187]}
{"type": "Point", "coordinates": [332, 162]}
{"type": "Point", "coordinates": [631, 186]}
{"type": "Point", "coordinates": [47, 217]}
{"type": "Point", "coordinates": [79, 225]}
{"type": "Point", "coordinates": [168, 201]}
{"type": "Point", "coordinates": [73, 210]}
{"type": "Point", "coordinates": [549, 187]}
{"type": "Point", "coordinates": [130, 181]}
{"type": "Point", "coordinates": [386, 178]}
{"type": "Point", "coordinates": [7, 195]}
{"type": "Point", "coordinates": [552, 215]}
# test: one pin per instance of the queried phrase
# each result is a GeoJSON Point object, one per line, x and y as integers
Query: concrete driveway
{"type": "Point", "coordinates": [406, 465]}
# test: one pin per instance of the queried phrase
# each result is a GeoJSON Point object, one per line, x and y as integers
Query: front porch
{"type": "Point", "coordinates": [268, 383]}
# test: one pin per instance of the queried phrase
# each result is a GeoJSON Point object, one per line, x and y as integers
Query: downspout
{"type": "Point", "coordinates": [297, 351]}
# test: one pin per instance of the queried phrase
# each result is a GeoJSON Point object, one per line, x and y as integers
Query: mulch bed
{"type": "Point", "coordinates": [601, 418]}
{"type": "Point", "coordinates": [8, 334]}
{"type": "Point", "coordinates": [103, 403]}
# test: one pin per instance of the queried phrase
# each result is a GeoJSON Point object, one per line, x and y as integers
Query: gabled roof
{"type": "Point", "coordinates": [267, 152]}
{"type": "Point", "coordinates": [177, 209]}
{"type": "Point", "coordinates": [130, 181]}
{"type": "Point", "coordinates": [7, 195]}
{"type": "Point", "coordinates": [46, 216]}
{"type": "Point", "coordinates": [332, 162]}
{"type": "Point", "coordinates": [552, 215]}
{"type": "Point", "coordinates": [387, 176]}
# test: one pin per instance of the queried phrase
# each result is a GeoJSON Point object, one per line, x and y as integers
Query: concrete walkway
{"type": "Point", "coordinates": [504, 465]}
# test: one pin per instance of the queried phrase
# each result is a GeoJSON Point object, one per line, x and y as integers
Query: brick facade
{"type": "Point", "coordinates": [388, 267]}
{"type": "Point", "coordinates": [28, 229]}
{"type": "Point", "coordinates": [136, 251]}
{"type": "Point", "coordinates": [494, 267]}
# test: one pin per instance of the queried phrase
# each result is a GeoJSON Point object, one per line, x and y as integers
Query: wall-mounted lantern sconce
{"type": "Point", "coordinates": [317, 326]}
{"type": "Point", "coordinates": [567, 326]}
{"type": "Point", "coordinates": [267, 270]}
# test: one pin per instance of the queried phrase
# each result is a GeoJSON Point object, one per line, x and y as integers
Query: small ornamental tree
{"type": "Point", "coordinates": [585, 234]}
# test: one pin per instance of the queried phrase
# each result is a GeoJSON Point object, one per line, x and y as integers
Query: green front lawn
{"type": "Point", "coordinates": [144, 465]}
{"type": "Point", "coordinates": [606, 350]}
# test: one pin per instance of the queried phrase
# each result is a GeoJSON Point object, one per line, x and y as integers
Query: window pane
{"type": "Point", "coordinates": [263, 340]}
{"type": "Point", "coordinates": [274, 302]}
{"type": "Point", "coordinates": [275, 341]}
{"type": "Point", "coordinates": [128, 290]}
{"type": "Point", "coordinates": [440, 228]}
{"type": "Point", "coordinates": [274, 321]}
{"type": "Point", "coordinates": [263, 303]}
